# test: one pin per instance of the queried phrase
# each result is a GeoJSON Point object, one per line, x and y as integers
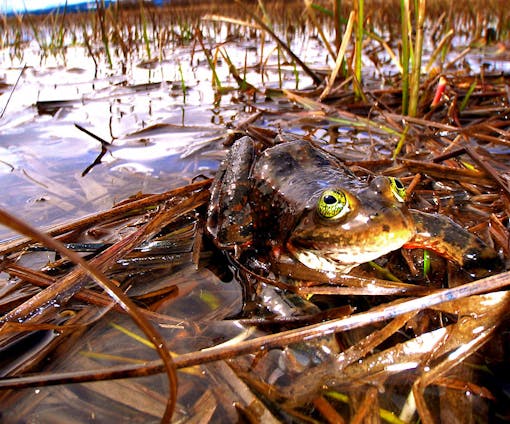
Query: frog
{"type": "Point", "coordinates": [296, 200]}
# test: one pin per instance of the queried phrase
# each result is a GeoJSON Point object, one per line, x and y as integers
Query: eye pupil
{"type": "Point", "coordinates": [329, 199]}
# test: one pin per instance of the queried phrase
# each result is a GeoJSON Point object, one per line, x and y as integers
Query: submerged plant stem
{"type": "Point", "coordinates": [12, 91]}
{"type": "Point", "coordinates": [466, 98]}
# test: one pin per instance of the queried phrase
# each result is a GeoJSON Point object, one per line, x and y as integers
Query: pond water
{"type": "Point", "coordinates": [44, 155]}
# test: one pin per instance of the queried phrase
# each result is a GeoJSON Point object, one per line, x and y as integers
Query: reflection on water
{"type": "Point", "coordinates": [43, 153]}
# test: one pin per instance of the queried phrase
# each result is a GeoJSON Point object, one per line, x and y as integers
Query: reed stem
{"type": "Point", "coordinates": [406, 52]}
{"type": "Point", "coordinates": [358, 48]}
{"type": "Point", "coordinates": [416, 63]}
{"type": "Point", "coordinates": [337, 16]}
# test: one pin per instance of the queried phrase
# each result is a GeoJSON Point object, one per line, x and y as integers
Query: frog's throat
{"type": "Point", "coordinates": [341, 261]}
{"type": "Point", "coordinates": [320, 263]}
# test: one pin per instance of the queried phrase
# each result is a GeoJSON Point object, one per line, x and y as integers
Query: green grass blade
{"type": "Point", "coordinates": [466, 98]}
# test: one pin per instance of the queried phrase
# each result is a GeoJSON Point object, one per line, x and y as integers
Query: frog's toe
{"type": "Point", "coordinates": [482, 262]}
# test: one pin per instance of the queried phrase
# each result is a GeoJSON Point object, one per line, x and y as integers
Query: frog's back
{"type": "Point", "coordinates": [289, 178]}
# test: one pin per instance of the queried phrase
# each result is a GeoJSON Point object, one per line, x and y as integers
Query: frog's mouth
{"type": "Point", "coordinates": [331, 261]}
{"type": "Point", "coordinates": [319, 262]}
{"type": "Point", "coordinates": [340, 259]}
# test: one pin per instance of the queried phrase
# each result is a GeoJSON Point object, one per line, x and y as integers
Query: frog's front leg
{"type": "Point", "coordinates": [450, 240]}
{"type": "Point", "coordinates": [229, 218]}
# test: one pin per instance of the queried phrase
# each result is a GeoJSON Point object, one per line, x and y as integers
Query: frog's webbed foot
{"type": "Point", "coordinates": [229, 218]}
{"type": "Point", "coordinates": [450, 240]}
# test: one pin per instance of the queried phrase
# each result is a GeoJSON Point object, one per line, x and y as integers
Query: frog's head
{"type": "Point", "coordinates": [342, 228]}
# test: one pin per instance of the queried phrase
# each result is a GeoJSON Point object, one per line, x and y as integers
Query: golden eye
{"type": "Point", "coordinates": [398, 189]}
{"type": "Point", "coordinates": [332, 204]}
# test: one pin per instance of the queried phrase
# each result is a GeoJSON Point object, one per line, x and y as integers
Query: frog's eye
{"type": "Point", "coordinates": [398, 189]}
{"type": "Point", "coordinates": [332, 204]}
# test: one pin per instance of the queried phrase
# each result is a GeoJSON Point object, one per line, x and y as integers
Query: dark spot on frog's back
{"type": "Point", "coordinates": [320, 159]}
{"type": "Point", "coordinates": [285, 164]}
